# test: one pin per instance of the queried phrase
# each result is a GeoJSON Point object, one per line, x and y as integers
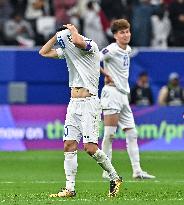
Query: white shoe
{"type": "Point", "coordinates": [142, 175]}
{"type": "Point", "coordinates": [105, 175]}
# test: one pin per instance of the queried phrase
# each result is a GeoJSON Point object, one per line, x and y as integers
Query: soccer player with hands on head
{"type": "Point", "coordinates": [84, 109]}
{"type": "Point", "coordinates": [114, 96]}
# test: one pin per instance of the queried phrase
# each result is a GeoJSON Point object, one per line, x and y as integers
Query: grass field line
{"type": "Point", "coordinates": [102, 199]}
{"type": "Point", "coordinates": [46, 158]}
{"type": "Point", "coordinates": [132, 199]}
{"type": "Point", "coordinates": [90, 181]}
{"type": "Point", "coordinates": [120, 199]}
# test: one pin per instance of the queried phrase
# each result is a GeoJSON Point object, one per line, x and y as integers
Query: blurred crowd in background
{"type": "Point", "coordinates": [170, 94]}
{"type": "Point", "coordinates": [156, 23]}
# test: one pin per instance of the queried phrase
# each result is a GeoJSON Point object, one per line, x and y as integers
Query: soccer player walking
{"type": "Point", "coordinates": [84, 109]}
{"type": "Point", "coordinates": [114, 96]}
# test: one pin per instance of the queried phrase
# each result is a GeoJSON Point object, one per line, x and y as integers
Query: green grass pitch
{"type": "Point", "coordinates": [29, 177]}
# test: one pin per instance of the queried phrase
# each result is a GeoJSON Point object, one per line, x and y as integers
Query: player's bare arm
{"type": "Point", "coordinates": [77, 39]}
{"type": "Point", "coordinates": [108, 78]}
{"type": "Point", "coordinates": [47, 50]}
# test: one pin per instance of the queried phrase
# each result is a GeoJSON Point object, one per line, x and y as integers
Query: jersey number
{"type": "Point", "coordinates": [65, 131]}
{"type": "Point", "coordinates": [61, 42]}
{"type": "Point", "coordinates": [126, 61]}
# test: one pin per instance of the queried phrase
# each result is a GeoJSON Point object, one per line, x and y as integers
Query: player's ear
{"type": "Point", "coordinates": [115, 35]}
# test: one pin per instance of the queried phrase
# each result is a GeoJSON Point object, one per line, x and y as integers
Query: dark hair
{"type": "Point", "coordinates": [143, 73]}
{"type": "Point", "coordinates": [90, 4]}
{"type": "Point", "coordinates": [14, 14]}
{"type": "Point", "coordinates": [119, 24]}
{"type": "Point", "coordinates": [61, 28]}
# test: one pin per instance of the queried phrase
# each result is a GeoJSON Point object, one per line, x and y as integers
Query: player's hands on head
{"type": "Point", "coordinates": [71, 27]}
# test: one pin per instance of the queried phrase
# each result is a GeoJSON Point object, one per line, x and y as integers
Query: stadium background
{"type": "Point", "coordinates": [30, 84]}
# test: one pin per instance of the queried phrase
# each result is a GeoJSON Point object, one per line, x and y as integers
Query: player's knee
{"type": "Point", "coordinates": [70, 146]}
{"type": "Point", "coordinates": [131, 134]}
{"type": "Point", "coordinates": [109, 132]}
{"type": "Point", "coordinates": [90, 148]}
{"type": "Point", "coordinates": [70, 155]}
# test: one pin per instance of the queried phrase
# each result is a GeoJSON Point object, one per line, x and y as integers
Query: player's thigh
{"type": "Point", "coordinates": [126, 119]}
{"type": "Point", "coordinates": [71, 133]}
{"type": "Point", "coordinates": [72, 128]}
{"type": "Point", "coordinates": [90, 121]}
{"type": "Point", "coordinates": [110, 99]}
{"type": "Point", "coordinates": [111, 119]}
{"type": "Point", "coordinates": [111, 105]}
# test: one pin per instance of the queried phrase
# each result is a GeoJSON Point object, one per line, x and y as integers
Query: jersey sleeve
{"type": "Point", "coordinates": [60, 53]}
{"type": "Point", "coordinates": [129, 51]}
{"type": "Point", "coordinates": [90, 45]}
{"type": "Point", "coordinates": [104, 54]}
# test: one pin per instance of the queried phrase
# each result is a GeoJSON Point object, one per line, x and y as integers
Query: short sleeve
{"type": "Point", "coordinates": [104, 54]}
{"type": "Point", "coordinates": [90, 45]}
{"type": "Point", "coordinates": [60, 53]}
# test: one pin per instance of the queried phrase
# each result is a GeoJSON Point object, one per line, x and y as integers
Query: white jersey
{"type": "Point", "coordinates": [83, 64]}
{"type": "Point", "coordinates": [116, 63]}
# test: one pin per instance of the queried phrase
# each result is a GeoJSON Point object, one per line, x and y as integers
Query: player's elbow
{"type": "Point", "coordinates": [42, 52]}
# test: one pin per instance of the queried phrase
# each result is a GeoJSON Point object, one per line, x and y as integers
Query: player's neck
{"type": "Point", "coordinates": [122, 46]}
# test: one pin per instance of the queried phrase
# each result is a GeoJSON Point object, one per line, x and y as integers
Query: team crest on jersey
{"type": "Point", "coordinates": [105, 51]}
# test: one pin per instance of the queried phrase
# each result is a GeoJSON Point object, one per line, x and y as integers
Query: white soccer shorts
{"type": "Point", "coordinates": [82, 119]}
{"type": "Point", "coordinates": [115, 102]}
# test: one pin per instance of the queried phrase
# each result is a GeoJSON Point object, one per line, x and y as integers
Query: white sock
{"type": "Point", "coordinates": [109, 132]}
{"type": "Point", "coordinates": [70, 166]}
{"type": "Point", "coordinates": [133, 149]}
{"type": "Point", "coordinates": [105, 163]}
